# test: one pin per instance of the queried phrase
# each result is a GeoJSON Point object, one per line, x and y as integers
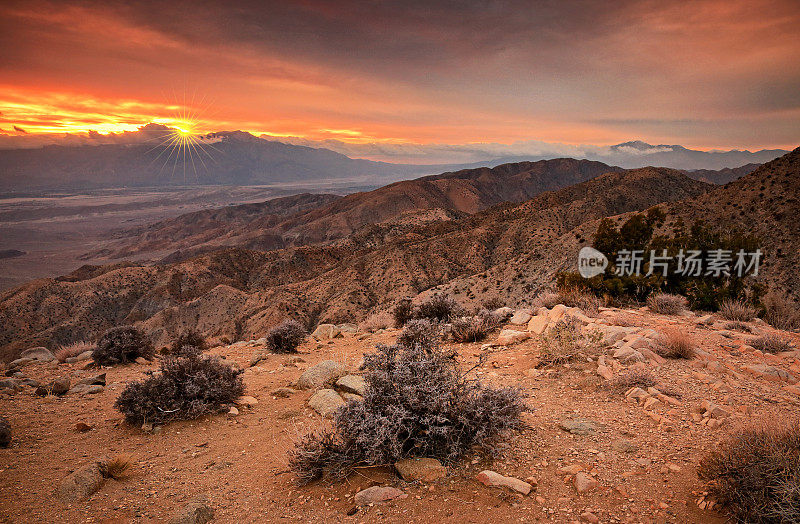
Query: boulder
{"type": "Point", "coordinates": [504, 312]}
{"type": "Point", "coordinates": [96, 380]}
{"type": "Point", "coordinates": [58, 387]}
{"type": "Point", "coordinates": [510, 336]}
{"type": "Point", "coordinates": [421, 469]}
{"type": "Point", "coordinates": [352, 384]}
{"type": "Point", "coordinates": [326, 402]}
{"type": "Point", "coordinates": [326, 332]}
{"type": "Point", "coordinates": [86, 355]}
{"type": "Point", "coordinates": [538, 324]}
{"type": "Point", "coordinates": [557, 312]}
{"type": "Point", "coordinates": [20, 362]}
{"type": "Point", "coordinates": [521, 317]}
{"type": "Point", "coordinates": [378, 495]}
{"type": "Point", "coordinates": [493, 479]}
{"type": "Point", "coordinates": [41, 354]}
{"type": "Point", "coordinates": [320, 374]}
{"type": "Point", "coordinates": [81, 483]}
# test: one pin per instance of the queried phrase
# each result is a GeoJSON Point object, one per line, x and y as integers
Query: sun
{"type": "Point", "coordinates": [183, 144]}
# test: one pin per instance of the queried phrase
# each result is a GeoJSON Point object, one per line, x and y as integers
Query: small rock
{"type": "Point", "coordinates": [141, 360]}
{"type": "Point", "coordinates": [351, 396]}
{"type": "Point", "coordinates": [246, 402]}
{"type": "Point", "coordinates": [521, 317]}
{"type": "Point", "coordinates": [625, 446]}
{"type": "Point", "coordinates": [588, 516]}
{"type": "Point", "coordinates": [93, 390]}
{"type": "Point", "coordinates": [197, 512]}
{"type": "Point", "coordinates": [96, 380]}
{"type": "Point", "coordinates": [82, 427]}
{"type": "Point", "coordinates": [326, 402]}
{"type": "Point", "coordinates": [20, 362]}
{"type": "Point", "coordinates": [422, 469]}
{"type": "Point", "coordinates": [81, 483]}
{"type": "Point", "coordinates": [326, 332]}
{"type": "Point", "coordinates": [86, 355]}
{"type": "Point", "coordinates": [320, 374]}
{"type": "Point", "coordinates": [583, 482]}
{"type": "Point", "coordinates": [352, 384]}
{"type": "Point", "coordinates": [580, 426]}
{"type": "Point", "coordinates": [605, 372]}
{"type": "Point", "coordinates": [232, 412]}
{"type": "Point", "coordinates": [494, 479]}
{"type": "Point", "coordinates": [511, 336]}
{"type": "Point", "coordinates": [59, 386]}
{"type": "Point", "coordinates": [378, 495]}
{"type": "Point", "coordinates": [5, 432]}
{"type": "Point", "coordinates": [283, 392]}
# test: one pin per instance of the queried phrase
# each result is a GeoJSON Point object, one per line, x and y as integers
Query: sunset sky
{"type": "Point", "coordinates": [704, 74]}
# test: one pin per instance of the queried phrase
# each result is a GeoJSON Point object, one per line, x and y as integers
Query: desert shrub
{"type": "Point", "coordinates": [187, 386]}
{"type": "Point", "coordinates": [490, 319]}
{"type": "Point", "coordinates": [472, 329]}
{"type": "Point", "coordinates": [402, 312]}
{"type": "Point", "coordinates": [190, 337]}
{"type": "Point", "coordinates": [420, 332]}
{"type": "Point", "coordinates": [635, 377]}
{"type": "Point", "coordinates": [374, 322]}
{"type": "Point", "coordinates": [666, 303]}
{"type": "Point", "coordinates": [771, 343]}
{"type": "Point", "coordinates": [755, 473]}
{"type": "Point", "coordinates": [737, 310]}
{"type": "Point", "coordinates": [575, 297]}
{"type": "Point", "coordinates": [493, 303]}
{"type": "Point", "coordinates": [780, 313]}
{"type": "Point", "coordinates": [120, 345]}
{"type": "Point", "coordinates": [418, 402]}
{"type": "Point", "coordinates": [62, 353]}
{"type": "Point", "coordinates": [738, 325]}
{"type": "Point", "coordinates": [676, 344]}
{"type": "Point", "coordinates": [564, 341]}
{"type": "Point", "coordinates": [547, 299]}
{"type": "Point", "coordinates": [441, 308]}
{"type": "Point", "coordinates": [285, 337]}
{"type": "Point", "coordinates": [115, 468]}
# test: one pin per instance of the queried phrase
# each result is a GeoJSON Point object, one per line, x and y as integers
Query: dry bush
{"type": "Point", "coordinates": [737, 310]}
{"type": "Point", "coordinates": [666, 303]}
{"type": "Point", "coordinates": [676, 344]}
{"type": "Point", "coordinates": [469, 330]}
{"type": "Point", "coordinates": [771, 343]}
{"type": "Point", "coordinates": [377, 321]}
{"type": "Point", "coordinates": [738, 325]}
{"type": "Point", "coordinates": [574, 297]}
{"type": "Point", "coordinates": [285, 337]}
{"type": "Point", "coordinates": [190, 337]}
{"type": "Point", "coordinates": [546, 299]}
{"type": "Point", "coordinates": [564, 342]}
{"type": "Point", "coordinates": [402, 312]}
{"type": "Point", "coordinates": [635, 377]}
{"type": "Point", "coordinates": [493, 303]}
{"type": "Point", "coordinates": [116, 467]}
{"type": "Point", "coordinates": [781, 313]}
{"type": "Point", "coordinates": [490, 319]}
{"type": "Point", "coordinates": [73, 350]}
{"type": "Point", "coordinates": [418, 403]}
{"type": "Point", "coordinates": [440, 308]}
{"type": "Point", "coordinates": [188, 385]}
{"type": "Point", "coordinates": [123, 344]}
{"type": "Point", "coordinates": [420, 332]}
{"type": "Point", "coordinates": [755, 473]}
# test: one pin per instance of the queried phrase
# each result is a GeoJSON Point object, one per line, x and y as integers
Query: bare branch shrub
{"type": "Point", "coordinates": [122, 344]}
{"type": "Point", "coordinates": [755, 473]}
{"type": "Point", "coordinates": [737, 310]}
{"type": "Point", "coordinates": [377, 321]}
{"type": "Point", "coordinates": [771, 343]}
{"type": "Point", "coordinates": [781, 313]}
{"type": "Point", "coordinates": [402, 312]}
{"type": "Point", "coordinates": [418, 402]}
{"type": "Point", "coordinates": [441, 308]}
{"type": "Point", "coordinates": [471, 329]}
{"type": "Point", "coordinates": [190, 337]}
{"type": "Point", "coordinates": [666, 303]}
{"type": "Point", "coordinates": [188, 385]}
{"type": "Point", "coordinates": [285, 337]}
{"type": "Point", "coordinates": [423, 332]}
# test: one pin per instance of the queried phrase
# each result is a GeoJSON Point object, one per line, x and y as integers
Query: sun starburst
{"type": "Point", "coordinates": [184, 145]}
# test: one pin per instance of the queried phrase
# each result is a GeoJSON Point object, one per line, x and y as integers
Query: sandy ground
{"type": "Point", "coordinates": [239, 464]}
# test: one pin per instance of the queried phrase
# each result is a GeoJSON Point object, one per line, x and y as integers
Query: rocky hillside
{"type": "Point", "coordinates": [235, 292]}
{"type": "Point", "coordinates": [448, 195]}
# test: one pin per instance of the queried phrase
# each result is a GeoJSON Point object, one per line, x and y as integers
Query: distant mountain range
{"type": "Point", "coordinates": [239, 158]}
